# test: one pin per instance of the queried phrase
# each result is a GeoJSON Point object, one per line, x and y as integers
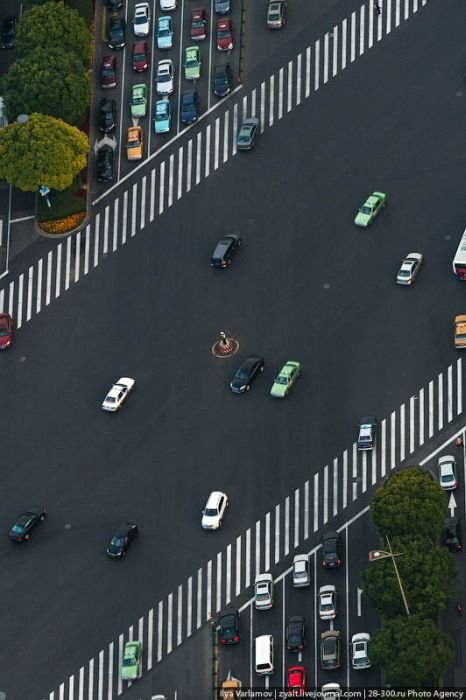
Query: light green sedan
{"type": "Point", "coordinates": [131, 665]}
{"type": "Point", "coordinates": [369, 210]}
{"type": "Point", "coordinates": [192, 63]}
{"type": "Point", "coordinates": [139, 100]}
{"type": "Point", "coordinates": [285, 379]}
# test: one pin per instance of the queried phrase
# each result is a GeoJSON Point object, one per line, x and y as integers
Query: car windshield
{"type": "Point", "coordinates": [446, 477]}
{"type": "Point", "coordinates": [365, 210]}
{"type": "Point", "coordinates": [129, 661]}
{"type": "Point", "coordinates": [164, 31]}
{"type": "Point", "coordinates": [132, 144]}
{"type": "Point", "coordinates": [140, 19]}
{"type": "Point", "coordinates": [404, 273]}
{"type": "Point", "coordinates": [273, 16]}
{"type": "Point", "coordinates": [262, 595]}
{"type": "Point", "coordinates": [107, 72]}
{"type": "Point", "coordinates": [117, 541]}
{"type": "Point", "coordinates": [197, 24]}
{"type": "Point", "coordinates": [191, 61]}
{"type": "Point", "coordinates": [163, 77]}
{"type": "Point", "coordinates": [139, 56]}
{"type": "Point", "coordinates": [18, 528]}
{"type": "Point", "coordinates": [138, 100]}
{"type": "Point", "coordinates": [3, 330]}
{"type": "Point", "coordinates": [281, 379]}
{"type": "Point", "coordinates": [242, 374]}
{"type": "Point", "coordinates": [326, 605]}
{"type": "Point", "coordinates": [211, 512]}
{"type": "Point", "coordinates": [223, 33]}
{"type": "Point", "coordinates": [161, 116]}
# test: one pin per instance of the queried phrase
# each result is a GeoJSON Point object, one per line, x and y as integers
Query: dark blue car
{"type": "Point", "coordinates": [189, 106]}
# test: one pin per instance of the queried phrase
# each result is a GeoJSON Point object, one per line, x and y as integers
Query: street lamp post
{"type": "Point", "coordinates": [377, 554]}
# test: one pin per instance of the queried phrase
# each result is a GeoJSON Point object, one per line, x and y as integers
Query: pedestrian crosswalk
{"type": "Point", "coordinates": [278, 534]}
{"type": "Point", "coordinates": [156, 185]}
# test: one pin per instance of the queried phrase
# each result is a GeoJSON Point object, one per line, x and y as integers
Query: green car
{"type": "Point", "coordinates": [369, 210]}
{"type": "Point", "coordinates": [192, 63]}
{"type": "Point", "coordinates": [139, 100]}
{"type": "Point", "coordinates": [131, 665]}
{"type": "Point", "coordinates": [285, 379]}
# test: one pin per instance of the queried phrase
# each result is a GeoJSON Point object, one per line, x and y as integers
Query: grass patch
{"type": "Point", "coordinates": [64, 203]}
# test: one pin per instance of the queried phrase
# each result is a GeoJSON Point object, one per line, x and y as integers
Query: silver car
{"type": "Point", "coordinates": [276, 14]}
{"type": "Point", "coordinates": [263, 592]}
{"type": "Point", "coordinates": [447, 474]}
{"type": "Point", "coordinates": [327, 602]}
{"type": "Point", "coordinates": [409, 269]}
{"type": "Point", "coordinates": [301, 570]}
{"type": "Point", "coordinates": [359, 650]}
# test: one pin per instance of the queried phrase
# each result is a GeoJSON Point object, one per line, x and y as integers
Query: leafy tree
{"type": "Point", "coordinates": [427, 574]}
{"type": "Point", "coordinates": [44, 151]}
{"type": "Point", "coordinates": [84, 7]}
{"type": "Point", "coordinates": [56, 25]}
{"type": "Point", "coordinates": [50, 81]}
{"type": "Point", "coordinates": [412, 651]}
{"type": "Point", "coordinates": [409, 502]}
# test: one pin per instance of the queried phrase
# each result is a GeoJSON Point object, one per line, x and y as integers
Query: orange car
{"type": "Point", "coordinates": [134, 144]}
{"type": "Point", "coordinates": [460, 332]}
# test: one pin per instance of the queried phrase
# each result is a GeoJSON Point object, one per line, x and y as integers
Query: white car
{"type": "Point", "coordinates": [117, 394]}
{"type": "Point", "coordinates": [447, 473]}
{"type": "Point", "coordinates": [327, 602]}
{"type": "Point", "coordinates": [141, 19]}
{"type": "Point", "coordinates": [167, 5]}
{"type": "Point", "coordinates": [214, 510]}
{"type": "Point", "coordinates": [359, 650]}
{"type": "Point", "coordinates": [164, 77]}
{"type": "Point", "coordinates": [331, 691]}
{"type": "Point", "coordinates": [263, 592]}
{"type": "Point", "coordinates": [301, 570]}
{"type": "Point", "coordinates": [409, 268]}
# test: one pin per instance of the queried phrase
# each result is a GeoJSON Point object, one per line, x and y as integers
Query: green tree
{"type": "Point", "coordinates": [409, 501]}
{"type": "Point", "coordinates": [49, 81]}
{"type": "Point", "coordinates": [84, 7]}
{"type": "Point", "coordinates": [56, 25]}
{"type": "Point", "coordinates": [427, 573]}
{"type": "Point", "coordinates": [412, 651]}
{"type": "Point", "coordinates": [44, 151]}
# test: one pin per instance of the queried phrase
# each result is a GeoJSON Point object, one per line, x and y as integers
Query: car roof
{"type": "Point", "coordinates": [191, 50]}
{"type": "Point", "coordinates": [164, 21]}
{"type": "Point", "coordinates": [327, 589]}
{"type": "Point", "coordinates": [263, 577]}
{"type": "Point", "coordinates": [329, 634]}
{"type": "Point", "coordinates": [214, 497]}
{"type": "Point", "coordinates": [361, 637]}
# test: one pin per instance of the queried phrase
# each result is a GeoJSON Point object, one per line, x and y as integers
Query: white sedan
{"type": "Point", "coordinates": [141, 19]}
{"type": "Point", "coordinates": [301, 570]}
{"type": "Point", "coordinates": [214, 510]}
{"type": "Point", "coordinates": [263, 591]}
{"type": "Point", "coordinates": [409, 269]}
{"type": "Point", "coordinates": [164, 77]}
{"type": "Point", "coordinates": [118, 394]}
{"type": "Point", "coordinates": [327, 602]}
{"type": "Point", "coordinates": [167, 5]}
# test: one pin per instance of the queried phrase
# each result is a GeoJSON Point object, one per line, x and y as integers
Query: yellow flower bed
{"type": "Point", "coordinates": [63, 225]}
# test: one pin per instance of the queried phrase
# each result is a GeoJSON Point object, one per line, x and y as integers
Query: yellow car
{"type": "Point", "coordinates": [460, 332]}
{"type": "Point", "coordinates": [134, 144]}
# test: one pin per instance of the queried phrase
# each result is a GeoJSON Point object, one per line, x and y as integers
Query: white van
{"type": "Point", "coordinates": [264, 655]}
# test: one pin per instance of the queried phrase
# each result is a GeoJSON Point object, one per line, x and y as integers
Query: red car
{"type": "Point", "coordinates": [108, 72]}
{"type": "Point", "coordinates": [140, 56]}
{"type": "Point", "coordinates": [224, 34]}
{"type": "Point", "coordinates": [198, 24]}
{"type": "Point", "coordinates": [297, 680]}
{"type": "Point", "coordinates": [6, 331]}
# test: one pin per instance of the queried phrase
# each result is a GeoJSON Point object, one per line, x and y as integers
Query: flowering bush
{"type": "Point", "coordinates": [63, 225]}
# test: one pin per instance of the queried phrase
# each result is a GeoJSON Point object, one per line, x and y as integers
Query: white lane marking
{"type": "Point", "coordinates": [110, 673]}
{"type": "Point", "coordinates": [90, 686]}
{"type": "Point", "coordinates": [308, 72]}
{"type": "Point", "coordinates": [207, 151]}
{"type": "Point", "coordinates": [30, 290]}
{"type": "Point", "coordinates": [379, 22]}
{"type": "Point", "coordinates": [49, 278]}
{"type": "Point", "coordinates": [362, 16]}
{"type": "Point", "coordinates": [199, 599]}
{"type": "Point", "coordinates": [393, 439]}
{"type": "Point", "coordinates": [189, 165]}
{"type": "Point", "coordinates": [11, 296]}
{"type": "Point", "coordinates": [115, 224]}
{"type": "Point", "coordinates": [19, 312]}
{"type": "Point", "coordinates": [389, 17]}
{"type": "Point", "coordinates": [440, 401]}
{"type": "Point", "coordinates": [171, 166]}
{"type": "Point", "coordinates": [316, 64]}
{"type": "Point", "coordinates": [326, 54]}
{"type": "Point", "coordinates": [335, 486]}
{"type": "Point", "coordinates": [124, 225]}
{"type": "Point", "coordinates": [296, 519]}
{"type": "Point", "coordinates": [267, 542]}
{"type": "Point", "coordinates": [234, 130]}
{"type": "Point", "coordinates": [106, 212]}
{"type": "Point", "coordinates": [402, 432]}
{"type": "Point", "coordinates": [258, 547]}
{"type": "Point", "coordinates": [374, 467]}
{"type": "Point", "coordinates": [2, 300]}
{"type": "Point", "coordinates": [39, 287]}
{"type": "Point", "coordinates": [58, 271]}
{"type": "Point", "coordinates": [228, 577]}
{"type": "Point", "coordinates": [218, 599]}
{"type": "Point", "coordinates": [238, 566]}
{"type": "Point", "coordinates": [271, 98]}
{"type": "Point", "coordinates": [198, 157]}
{"type": "Point", "coordinates": [96, 240]}
{"type": "Point", "coordinates": [170, 623]}
{"type": "Point", "coordinates": [450, 394]}
{"type": "Point", "coordinates": [421, 417]}
{"type": "Point", "coordinates": [162, 186]}
{"type": "Point", "coordinates": [277, 534]}
{"type": "Point", "coordinates": [209, 590]}
{"type": "Point", "coordinates": [355, 471]}
{"type": "Point", "coordinates": [383, 447]}
{"type": "Point", "coordinates": [370, 41]}
{"type": "Point", "coordinates": [262, 117]}
{"type": "Point", "coordinates": [364, 473]}
{"type": "Point", "coordinates": [289, 103]}
{"type": "Point", "coordinates": [345, 479]}
{"type": "Point", "coordinates": [226, 132]}
{"type": "Point", "coordinates": [120, 659]}
{"type": "Point", "coordinates": [179, 616]}
{"type": "Point", "coordinates": [431, 408]}
{"type": "Point", "coordinates": [286, 543]}
{"type": "Point", "coordinates": [81, 684]}
{"type": "Point", "coordinates": [189, 608]}
{"type": "Point", "coordinates": [152, 195]}
{"type": "Point", "coordinates": [412, 423]}
{"type": "Point", "coordinates": [160, 631]}
{"type": "Point", "coordinates": [143, 202]}
{"type": "Point", "coordinates": [134, 209]}
{"type": "Point", "coordinates": [325, 496]}
{"type": "Point", "coordinates": [353, 37]}
{"type": "Point", "coordinates": [247, 581]}
{"type": "Point", "coordinates": [280, 93]}
{"type": "Point", "coordinates": [344, 34]}
{"type": "Point", "coordinates": [316, 502]}
{"type": "Point", "coordinates": [406, 9]}
{"type": "Point", "coordinates": [306, 510]}
{"type": "Point", "coordinates": [77, 255]}
{"type": "Point", "coordinates": [254, 103]}
{"type": "Point", "coordinates": [150, 639]}
{"type": "Point", "coordinates": [299, 81]}
{"type": "Point", "coordinates": [216, 142]}
{"type": "Point", "coordinates": [245, 107]}
{"type": "Point", "coordinates": [335, 51]}
{"type": "Point", "coordinates": [459, 386]}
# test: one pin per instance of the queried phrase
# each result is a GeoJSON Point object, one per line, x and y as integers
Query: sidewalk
{"type": "Point", "coordinates": [21, 234]}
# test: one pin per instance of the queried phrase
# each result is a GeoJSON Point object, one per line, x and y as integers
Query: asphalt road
{"type": "Point", "coordinates": [305, 285]}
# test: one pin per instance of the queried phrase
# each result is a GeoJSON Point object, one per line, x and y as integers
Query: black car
{"type": "Point", "coordinates": [331, 550]}
{"type": "Point", "coordinates": [244, 377]}
{"type": "Point", "coordinates": [222, 80]}
{"type": "Point", "coordinates": [114, 4]}
{"type": "Point", "coordinates": [366, 435]}
{"type": "Point", "coordinates": [189, 107]}
{"type": "Point", "coordinates": [104, 165]}
{"type": "Point", "coordinates": [122, 540]}
{"type": "Point", "coordinates": [295, 633]}
{"type": "Point", "coordinates": [9, 32]}
{"type": "Point", "coordinates": [330, 650]}
{"type": "Point", "coordinates": [107, 114]}
{"type": "Point", "coordinates": [451, 535]}
{"type": "Point", "coordinates": [229, 627]}
{"type": "Point", "coordinates": [221, 256]}
{"type": "Point", "coordinates": [116, 32]}
{"type": "Point", "coordinates": [21, 530]}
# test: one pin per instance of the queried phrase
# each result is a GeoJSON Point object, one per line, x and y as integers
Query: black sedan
{"type": "Point", "coordinates": [104, 167]}
{"type": "Point", "coordinates": [222, 79]}
{"type": "Point", "coordinates": [221, 257]}
{"type": "Point", "coordinates": [451, 535]}
{"type": "Point", "coordinates": [107, 115]}
{"type": "Point", "coordinates": [229, 627]}
{"type": "Point", "coordinates": [295, 633]}
{"type": "Point", "coordinates": [21, 530]}
{"type": "Point", "coordinates": [331, 550]}
{"type": "Point", "coordinates": [122, 540]}
{"type": "Point", "coordinates": [9, 32]}
{"type": "Point", "coordinates": [244, 377]}
{"type": "Point", "coordinates": [116, 33]}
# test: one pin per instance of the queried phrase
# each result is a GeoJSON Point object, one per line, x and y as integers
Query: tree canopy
{"type": "Point", "coordinates": [44, 151]}
{"type": "Point", "coordinates": [427, 575]}
{"type": "Point", "coordinates": [409, 502]}
{"type": "Point", "coordinates": [412, 651]}
{"type": "Point", "coordinates": [84, 7]}
{"type": "Point", "coordinates": [53, 24]}
{"type": "Point", "coordinates": [50, 81]}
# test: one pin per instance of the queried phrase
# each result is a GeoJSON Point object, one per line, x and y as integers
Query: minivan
{"type": "Point", "coordinates": [264, 655]}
